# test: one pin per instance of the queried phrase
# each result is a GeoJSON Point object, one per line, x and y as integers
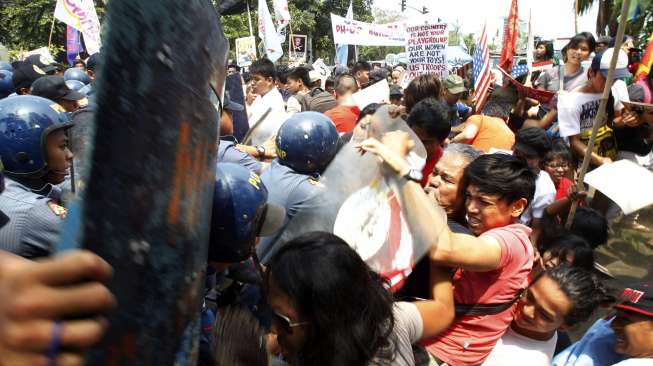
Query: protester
{"type": "Point", "coordinates": [55, 89]}
{"type": "Point", "coordinates": [488, 130]}
{"type": "Point", "coordinates": [579, 109]}
{"type": "Point", "coordinates": [298, 85]}
{"type": "Point", "coordinates": [36, 158]}
{"type": "Point", "coordinates": [532, 144]}
{"type": "Point", "coordinates": [492, 268]}
{"type": "Point", "coordinates": [558, 163]}
{"type": "Point", "coordinates": [396, 95]}
{"type": "Point", "coordinates": [559, 298]}
{"type": "Point", "coordinates": [543, 51]}
{"type": "Point", "coordinates": [345, 115]}
{"type": "Point", "coordinates": [329, 308]}
{"type": "Point", "coordinates": [428, 119]}
{"type": "Point", "coordinates": [454, 87]}
{"type": "Point", "coordinates": [565, 248]}
{"type": "Point", "coordinates": [422, 87]}
{"type": "Point", "coordinates": [622, 340]}
{"type": "Point", "coordinates": [239, 339]}
{"type": "Point", "coordinates": [267, 111]}
{"type": "Point", "coordinates": [361, 71]}
{"type": "Point", "coordinates": [633, 131]}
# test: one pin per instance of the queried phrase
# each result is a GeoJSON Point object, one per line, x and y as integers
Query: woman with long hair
{"type": "Point", "coordinates": [330, 308]}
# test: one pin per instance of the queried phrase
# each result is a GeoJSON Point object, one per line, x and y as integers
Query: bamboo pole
{"type": "Point", "coordinates": [601, 115]}
{"type": "Point", "coordinates": [51, 30]}
{"type": "Point", "coordinates": [249, 19]}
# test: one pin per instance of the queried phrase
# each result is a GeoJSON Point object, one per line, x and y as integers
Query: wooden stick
{"type": "Point", "coordinates": [600, 116]}
{"type": "Point", "coordinates": [51, 30]}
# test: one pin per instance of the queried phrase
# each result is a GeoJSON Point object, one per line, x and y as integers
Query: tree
{"type": "Point", "coordinates": [607, 18]}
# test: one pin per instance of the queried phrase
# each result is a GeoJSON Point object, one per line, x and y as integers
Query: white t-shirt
{"type": "Point", "coordinates": [516, 349]}
{"type": "Point", "coordinates": [408, 330]}
{"type": "Point", "coordinates": [545, 194]}
{"type": "Point", "coordinates": [269, 125]}
{"type": "Point", "coordinates": [576, 110]}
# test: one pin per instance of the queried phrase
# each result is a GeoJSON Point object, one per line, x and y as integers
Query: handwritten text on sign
{"type": "Point", "coordinates": [426, 48]}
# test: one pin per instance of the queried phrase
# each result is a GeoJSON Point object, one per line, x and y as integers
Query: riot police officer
{"type": "Point", "coordinates": [76, 74]}
{"type": "Point", "coordinates": [306, 144]}
{"type": "Point", "coordinates": [6, 83]}
{"type": "Point", "coordinates": [34, 151]}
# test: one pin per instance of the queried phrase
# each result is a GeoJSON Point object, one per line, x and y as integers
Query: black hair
{"type": "Point", "coordinates": [263, 67]}
{"type": "Point", "coordinates": [533, 138]}
{"type": "Point", "coordinates": [548, 45]}
{"type": "Point", "coordinates": [571, 245]}
{"type": "Point", "coordinates": [368, 111]}
{"type": "Point", "coordinates": [235, 66]}
{"type": "Point", "coordinates": [587, 37]}
{"type": "Point", "coordinates": [431, 115]}
{"type": "Point", "coordinates": [584, 289]}
{"type": "Point", "coordinates": [559, 149]}
{"type": "Point", "coordinates": [238, 339]}
{"type": "Point", "coordinates": [422, 87]}
{"type": "Point", "coordinates": [497, 108]}
{"type": "Point", "coordinates": [626, 38]}
{"type": "Point", "coordinates": [591, 225]}
{"type": "Point", "coordinates": [361, 66]}
{"type": "Point", "coordinates": [80, 61]}
{"type": "Point", "coordinates": [503, 175]}
{"type": "Point", "coordinates": [300, 73]}
{"type": "Point", "coordinates": [347, 305]}
{"type": "Point", "coordinates": [247, 77]}
{"type": "Point", "coordinates": [330, 81]}
{"type": "Point", "coordinates": [282, 73]}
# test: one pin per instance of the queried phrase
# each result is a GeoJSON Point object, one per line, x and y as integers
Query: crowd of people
{"type": "Point", "coordinates": [502, 283]}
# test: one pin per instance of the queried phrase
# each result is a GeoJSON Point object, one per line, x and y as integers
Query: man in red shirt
{"type": "Point", "coordinates": [492, 267]}
{"type": "Point", "coordinates": [345, 115]}
{"type": "Point", "coordinates": [430, 122]}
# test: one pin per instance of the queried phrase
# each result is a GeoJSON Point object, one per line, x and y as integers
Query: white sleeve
{"type": "Point", "coordinates": [568, 114]}
{"type": "Point", "coordinates": [408, 321]}
{"type": "Point", "coordinates": [620, 94]}
{"type": "Point", "coordinates": [293, 106]}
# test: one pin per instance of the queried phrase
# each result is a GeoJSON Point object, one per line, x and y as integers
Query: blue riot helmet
{"type": "Point", "coordinates": [25, 122]}
{"type": "Point", "coordinates": [307, 142]}
{"type": "Point", "coordinates": [6, 83]}
{"type": "Point", "coordinates": [76, 74]}
{"type": "Point", "coordinates": [240, 214]}
{"type": "Point", "coordinates": [4, 65]}
{"type": "Point", "coordinates": [75, 85]}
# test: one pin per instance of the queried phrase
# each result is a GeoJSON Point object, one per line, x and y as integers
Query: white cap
{"type": "Point", "coordinates": [602, 63]}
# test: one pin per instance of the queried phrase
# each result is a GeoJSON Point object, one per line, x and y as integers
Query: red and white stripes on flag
{"type": "Point", "coordinates": [481, 71]}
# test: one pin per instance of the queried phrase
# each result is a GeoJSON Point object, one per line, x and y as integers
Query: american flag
{"type": "Point", "coordinates": [519, 69]}
{"type": "Point", "coordinates": [481, 71]}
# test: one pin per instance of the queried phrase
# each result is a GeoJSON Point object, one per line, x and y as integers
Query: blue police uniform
{"type": "Point", "coordinates": [291, 190]}
{"type": "Point", "coordinates": [227, 153]}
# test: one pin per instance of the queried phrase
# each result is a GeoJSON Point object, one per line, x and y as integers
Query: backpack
{"type": "Point", "coordinates": [317, 100]}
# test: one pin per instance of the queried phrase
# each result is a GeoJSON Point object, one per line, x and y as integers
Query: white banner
{"type": "Point", "coordinates": [81, 15]}
{"type": "Point", "coordinates": [268, 33]}
{"type": "Point", "coordinates": [349, 31]}
{"type": "Point", "coordinates": [283, 17]}
{"type": "Point", "coordinates": [426, 48]}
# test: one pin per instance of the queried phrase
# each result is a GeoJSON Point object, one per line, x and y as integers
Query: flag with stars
{"type": "Point", "coordinates": [519, 70]}
{"type": "Point", "coordinates": [481, 70]}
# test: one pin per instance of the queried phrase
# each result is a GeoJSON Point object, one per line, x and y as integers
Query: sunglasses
{"type": "Point", "coordinates": [284, 323]}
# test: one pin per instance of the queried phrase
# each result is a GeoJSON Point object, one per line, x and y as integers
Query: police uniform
{"type": "Point", "coordinates": [227, 153]}
{"type": "Point", "coordinates": [291, 190]}
{"type": "Point", "coordinates": [35, 218]}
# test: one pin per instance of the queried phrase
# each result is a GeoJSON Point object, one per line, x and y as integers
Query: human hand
{"type": "Point", "coordinates": [605, 160]}
{"type": "Point", "coordinates": [270, 146]}
{"type": "Point", "coordinates": [630, 119]}
{"type": "Point", "coordinates": [573, 194]}
{"type": "Point", "coordinates": [397, 111]}
{"type": "Point", "coordinates": [37, 297]}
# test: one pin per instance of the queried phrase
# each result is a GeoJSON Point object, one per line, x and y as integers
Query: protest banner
{"type": "Point", "coordinates": [73, 44]}
{"type": "Point", "coordinates": [349, 31]}
{"type": "Point", "coordinates": [426, 47]}
{"type": "Point", "coordinates": [322, 69]}
{"type": "Point", "coordinates": [245, 51]}
{"type": "Point", "coordinates": [297, 48]}
{"type": "Point", "coordinates": [81, 15]}
{"type": "Point", "coordinates": [43, 52]}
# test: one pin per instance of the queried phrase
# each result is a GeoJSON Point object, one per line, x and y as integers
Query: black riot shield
{"type": "Point", "coordinates": [147, 199]}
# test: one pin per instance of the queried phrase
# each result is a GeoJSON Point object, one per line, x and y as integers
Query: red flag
{"type": "Point", "coordinates": [510, 33]}
{"type": "Point", "coordinates": [647, 61]}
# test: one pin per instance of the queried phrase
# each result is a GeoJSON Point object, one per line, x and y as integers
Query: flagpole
{"type": "Point", "coordinates": [51, 30]}
{"type": "Point", "coordinates": [602, 107]}
{"type": "Point", "coordinates": [249, 19]}
{"type": "Point", "coordinates": [576, 5]}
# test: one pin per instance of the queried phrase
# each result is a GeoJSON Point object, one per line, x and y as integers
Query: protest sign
{"type": "Point", "coordinates": [349, 31]}
{"type": "Point", "coordinates": [245, 51]}
{"type": "Point", "coordinates": [375, 93]}
{"type": "Point", "coordinates": [543, 96]}
{"type": "Point", "coordinates": [322, 69]}
{"type": "Point", "coordinates": [297, 48]}
{"type": "Point", "coordinates": [426, 48]}
{"type": "Point", "coordinates": [43, 52]}
{"type": "Point", "coordinates": [627, 184]}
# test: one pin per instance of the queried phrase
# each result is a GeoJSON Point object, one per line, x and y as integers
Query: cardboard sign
{"type": "Point", "coordinates": [297, 48]}
{"type": "Point", "coordinates": [426, 48]}
{"type": "Point", "coordinates": [245, 51]}
{"type": "Point", "coordinates": [543, 96]}
{"type": "Point", "coordinates": [629, 185]}
{"type": "Point", "coordinates": [375, 93]}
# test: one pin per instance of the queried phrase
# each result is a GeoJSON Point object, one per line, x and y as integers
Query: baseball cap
{"type": "Point", "coordinates": [314, 76]}
{"type": "Point", "coordinates": [25, 74]}
{"type": "Point", "coordinates": [54, 88]}
{"type": "Point", "coordinates": [532, 141]}
{"type": "Point", "coordinates": [395, 91]}
{"type": "Point", "coordinates": [42, 62]}
{"type": "Point", "coordinates": [638, 299]}
{"type": "Point", "coordinates": [604, 39]}
{"type": "Point", "coordinates": [230, 104]}
{"type": "Point", "coordinates": [454, 84]}
{"type": "Point", "coordinates": [601, 62]}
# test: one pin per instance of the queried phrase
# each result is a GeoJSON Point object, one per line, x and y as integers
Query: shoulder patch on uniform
{"type": "Point", "coordinates": [57, 210]}
{"type": "Point", "coordinates": [57, 108]}
{"type": "Point", "coordinates": [315, 182]}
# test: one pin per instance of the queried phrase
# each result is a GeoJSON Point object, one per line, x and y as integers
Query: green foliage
{"type": "Point", "coordinates": [26, 24]}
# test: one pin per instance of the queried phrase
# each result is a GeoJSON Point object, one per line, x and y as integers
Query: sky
{"type": "Point", "coordinates": [550, 18]}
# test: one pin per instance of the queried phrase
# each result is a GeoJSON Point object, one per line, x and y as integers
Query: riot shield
{"type": "Point", "coordinates": [360, 206]}
{"type": "Point", "coordinates": [147, 200]}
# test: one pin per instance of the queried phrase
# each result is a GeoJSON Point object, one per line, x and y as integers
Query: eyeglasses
{"type": "Point", "coordinates": [284, 323]}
